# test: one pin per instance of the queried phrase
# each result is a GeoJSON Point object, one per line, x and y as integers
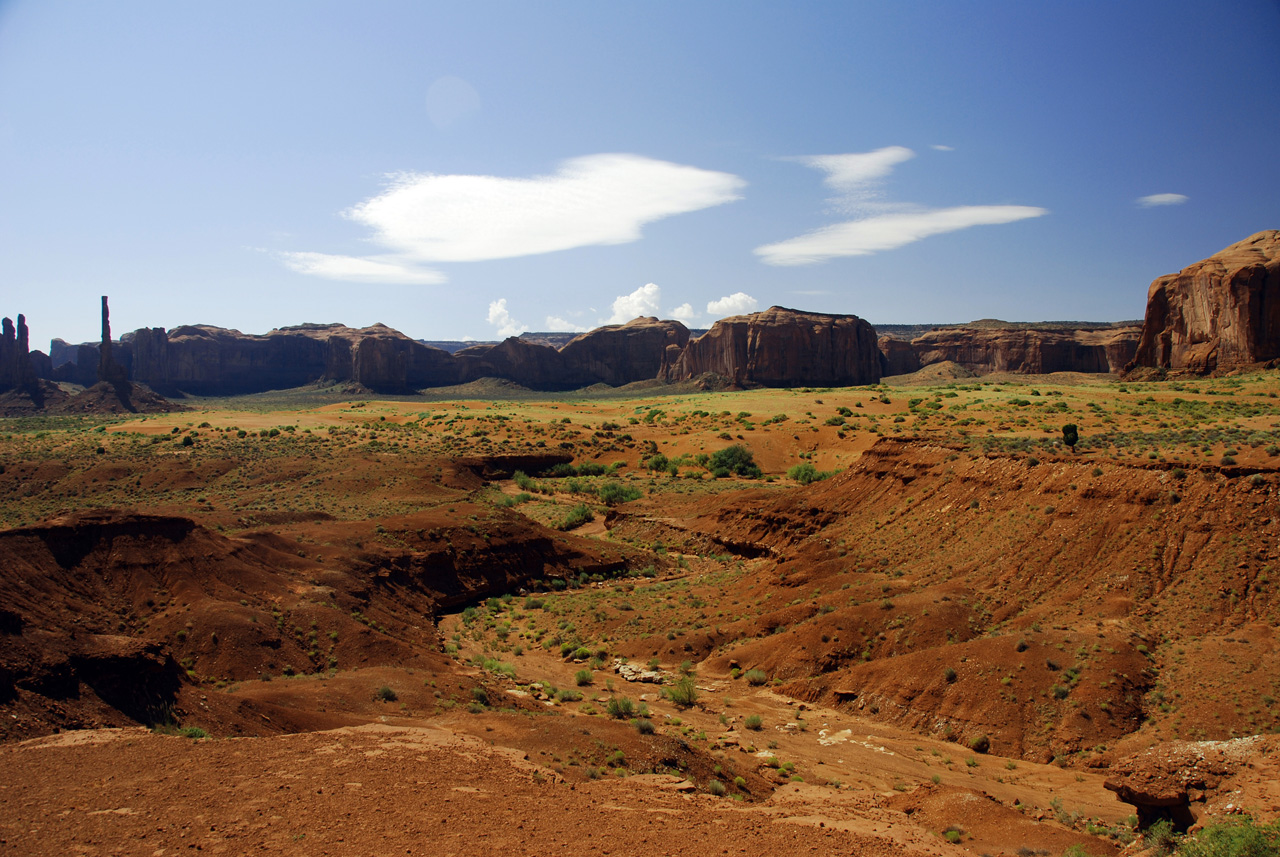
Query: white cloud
{"type": "Point", "coordinates": [734, 304]}
{"type": "Point", "coordinates": [1162, 199]}
{"type": "Point", "coordinates": [555, 323]}
{"type": "Point", "coordinates": [878, 226]}
{"type": "Point", "coordinates": [501, 318]}
{"type": "Point", "coordinates": [359, 270]}
{"type": "Point", "coordinates": [684, 312]}
{"type": "Point", "coordinates": [643, 301]}
{"type": "Point", "coordinates": [941, 148]}
{"type": "Point", "coordinates": [847, 173]}
{"type": "Point", "coordinates": [888, 232]}
{"type": "Point", "coordinates": [592, 200]}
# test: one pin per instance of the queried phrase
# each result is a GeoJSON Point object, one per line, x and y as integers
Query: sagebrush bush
{"type": "Point", "coordinates": [683, 693]}
{"type": "Point", "coordinates": [620, 707]}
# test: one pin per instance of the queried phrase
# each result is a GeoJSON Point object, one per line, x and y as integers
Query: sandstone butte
{"type": "Point", "coordinates": [1220, 312]}
{"type": "Point", "coordinates": [777, 347]}
{"type": "Point", "coordinates": [783, 347]}
{"type": "Point", "coordinates": [985, 347]}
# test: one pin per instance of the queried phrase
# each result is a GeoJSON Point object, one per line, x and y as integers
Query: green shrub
{"type": "Point", "coordinates": [1237, 837]}
{"type": "Point", "coordinates": [683, 693]}
{"type": "Point", "coordinates": [583, 677]}
{"type": "Point", "coordinates": [620, 708]}
{"type": "Point", "coordinates": [567, 695]}
{"type": "Point", "coordinates": [657, 462]}
{"type": "Point", "coordinates": [980, 743]}
{"type": "Point", "coordinates": [385, 694]}
{"type": "Point", "coordinates": [578, 515]}
{"type": "Point", "coordinates": [643, 725]}
{"type": "Point", "coordinates": [717, 788]}
{"type": "Point", "coordinates": [480, 695]}
{"type": "Point", "coordinates": [612, 493]}
{"type": "Point", "coordinates": [739, 782]}
{"type": "Point", "coordinates": [735, 459]}
{"type": "Point", "coordinates": [754, 722]}
{"type": "Point", "coordinates": [755, 678]}
{"type": "Point", "coordinates": [949, 674]}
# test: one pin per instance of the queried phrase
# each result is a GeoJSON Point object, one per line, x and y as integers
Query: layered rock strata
{"type": "Point", "coordinates": [1220, 312]}
{"type": "Point", "coordinates": [783, 347]}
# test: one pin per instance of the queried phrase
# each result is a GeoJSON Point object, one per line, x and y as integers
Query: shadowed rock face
{"type": "Point", "coordinates": [208, 360]}
{"type": "Point", "coordinates": [783, 347]}
{"type": "Point", "coordinates": [623, 353]}
{"type": "Point", "coordinates": [1222, 311]}
{"type": "Point", "coordinates": [899, 356]}
{"type": "Point", "coordinates": [616, 354]}
{"type": "Point", "coordinates": [1034, 351]}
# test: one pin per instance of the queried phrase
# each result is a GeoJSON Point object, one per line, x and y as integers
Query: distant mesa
{"type": "Point", "coordinates": [987, 346]}
{"type": "Point", "coordinates": [783, 347]}
{"type": "Point", "coordinates": [1219, 313]}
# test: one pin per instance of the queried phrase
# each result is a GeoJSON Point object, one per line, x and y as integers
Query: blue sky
{"type": "Point", "coordinates": [467, 170]}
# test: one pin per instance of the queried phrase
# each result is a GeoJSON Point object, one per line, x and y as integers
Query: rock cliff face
{"type": "Point", "coordinates": [1222, 311]}
{"type": "Point", "coordinates": [1033, 351]}
{"type": "Point", "coordinates": [616, 354]}
{"type": "Point", "coordinates": [623, 354]}
{"type": "Point", "coordinates": [900, 357]}
{"type": "Point", "coordinates": [16, 369]}
{"type": "Point", "coordinates": [206, 360]}
{"type": "Point", "coordinates": [784, 347]}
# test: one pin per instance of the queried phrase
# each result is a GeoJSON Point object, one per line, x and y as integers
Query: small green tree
{"type": "Point", "coordinates": [735, 459]}
{"type": "Point", "coordinates": [1070, 435]}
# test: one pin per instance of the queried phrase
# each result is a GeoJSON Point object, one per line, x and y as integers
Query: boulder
{"type": "Point", "coordinates": [783, 347]}
{"type": "Point", "coordinates": [1220, 312]}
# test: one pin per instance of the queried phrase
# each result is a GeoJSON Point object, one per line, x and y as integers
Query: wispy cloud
{"type": "Point", "coordinates": [359, 270]}
{"type": "Point", "coordinates": [500, 317]}
{"type": "Point", "coordinates": [734, 304]}
{"type": "Point", "coordinates": [588, 201]}
{"type": "Point", "coordinates": [941, 148]}
{"type": "Point", "coordinates": [880, 226]}
{"type": "Point", "coordinates": [642, 302]}
{"type": "Point", "coordinates": [1162, 199]}
{"type": "Point", "coordinates": [846, 173]}
{"type": "Point", "coordinates": [887, 232]}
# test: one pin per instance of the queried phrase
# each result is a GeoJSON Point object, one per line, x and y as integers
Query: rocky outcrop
{"type": "Point", "coordinates": [205, 360]}
{"type": "Point", "coordinates": [16, 370]}
{"type": "Point", "coordinates": [1030, 350]}
{"type": "Point", "coordinates": [900, 357]}
{"type": "Point", "coordinates": [109, 371]}
{"type": "Point", "coordinates": [1221, 312]}
{"type": "Point", "coordinates": [1178, 779]}
{"type": "Point", "coordinates": [783, 347]}
{"type": "Point", "coordinates": [616, 354]}
{"type": "Point", "coordinates": [620, 354]}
